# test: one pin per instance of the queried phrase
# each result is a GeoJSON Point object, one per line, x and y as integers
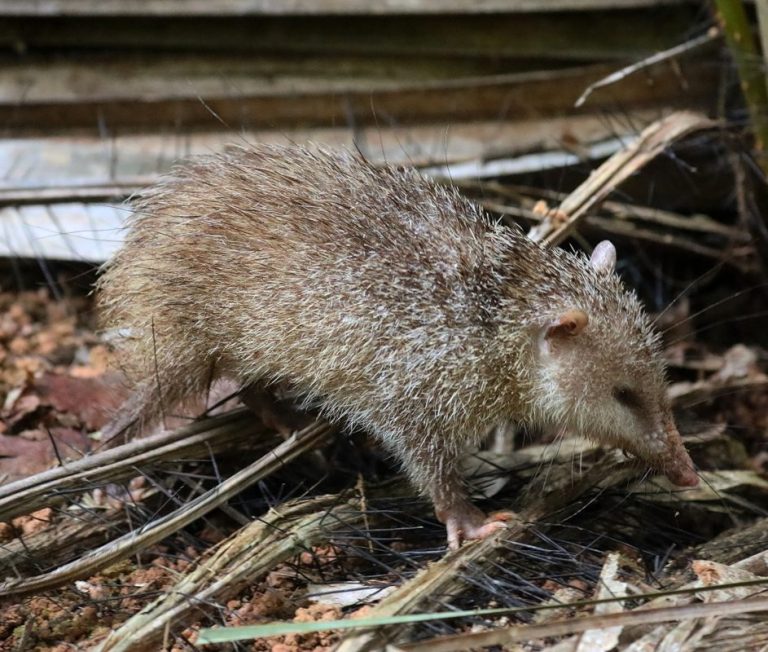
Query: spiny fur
{"type": "Point", "coordinates": [387, 299]}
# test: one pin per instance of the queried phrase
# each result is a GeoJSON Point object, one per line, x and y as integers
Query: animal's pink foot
{"type": "Point", "coordinates": [465, 521]}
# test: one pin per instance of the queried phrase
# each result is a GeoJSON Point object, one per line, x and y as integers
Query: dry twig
{"type": "Point", "coordinates": [50, 487]}
{"type": "Point", "coordinates": [561, 222]}
{"type": "Point", "coordinates": [235, 563]}
{"type": "Point", "coordinates": [157, 530]}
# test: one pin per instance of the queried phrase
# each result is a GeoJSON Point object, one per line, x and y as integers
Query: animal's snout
{"type": "Point", "coordinates": [683, 477]}
{"type": "Point", "coordinates": [678, 466]}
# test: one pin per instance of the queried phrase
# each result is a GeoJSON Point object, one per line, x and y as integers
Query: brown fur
{"type": "Point", "coordinates": [391, 302]}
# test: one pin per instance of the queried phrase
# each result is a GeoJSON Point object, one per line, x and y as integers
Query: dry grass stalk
{"type": "Point", "coordinates": [47, 488]}
{"type": "Point", "coordinates": [157, 530]}
{"type": "Point", "coordinates": [562, 221]}
{"type": "Point", "coordinates": [585, 623]}
{"type": "Point", "coordinates": [235, 563]}
{"type": "Point", "coordinates": [449, 575]}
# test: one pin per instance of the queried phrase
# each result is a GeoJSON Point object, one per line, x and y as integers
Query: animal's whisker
{"type": "Point", "coordinates": [711, 306]}
{"type": "Point", "coordinates": [684, 292]}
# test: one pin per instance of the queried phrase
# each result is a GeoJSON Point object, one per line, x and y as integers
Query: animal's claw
{"type": "Point", "coordinates": [466, 522]}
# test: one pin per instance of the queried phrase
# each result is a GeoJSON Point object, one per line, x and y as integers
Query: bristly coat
{"type": "Point", "coordinates": [389, 300]}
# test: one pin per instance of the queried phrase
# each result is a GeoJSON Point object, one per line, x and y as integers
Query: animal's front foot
{"type": "Point", "coordinates": [465, 521]}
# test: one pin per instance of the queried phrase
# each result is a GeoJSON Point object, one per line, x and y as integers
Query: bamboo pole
{"type": "Point", "coordinates": [738, 35]}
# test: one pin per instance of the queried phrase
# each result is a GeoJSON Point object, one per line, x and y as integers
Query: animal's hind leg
{"type": "Point", "coordinates": [274, 414]}
{"type": "Point", "coordinates": [132, 417]}
{"type": "Point", "coordinates": [157, 398]}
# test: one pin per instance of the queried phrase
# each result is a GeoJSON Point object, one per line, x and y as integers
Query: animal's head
{"type": "Point", "coordinates": [600, 370]}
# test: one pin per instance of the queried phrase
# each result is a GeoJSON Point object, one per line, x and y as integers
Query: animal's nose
{"type": "Point", "coordinates": [679, 465]}
{"type": "Point", "coordinates": [683, 477]}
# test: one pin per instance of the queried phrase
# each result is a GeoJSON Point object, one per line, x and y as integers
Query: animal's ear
{"type": "Point", "coordinates": [603, 257]}
{"type": "Point", "coordinates": [567, 325]}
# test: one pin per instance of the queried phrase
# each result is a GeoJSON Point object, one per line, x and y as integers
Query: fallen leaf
{"type": "Point", "coordinates": [92, 400]}
{"type": "Point", "coordinates": [32, 452]}
{"type": "Point", "coordinates": [22, 407]}
{"type": "Point", "coordinates": [345, 594]}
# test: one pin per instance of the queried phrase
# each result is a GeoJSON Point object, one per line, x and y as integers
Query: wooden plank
{"type": "Point", "coordinates": [580, 37]}
{"type": "Point", "coordinates": [149, 77]}
{"type": "Point", "coordinates": [117, 95]}
{"type": "Point", "coordinates": [79, 232]}
{"type": "Point", "coordinates": [55, 193]}
{"type": "Point", "coordinates": [304, 7]}
{"type": "Point", "coordinates": [82, 168]}
{"type": "Point", "coordinates": [534, 162]}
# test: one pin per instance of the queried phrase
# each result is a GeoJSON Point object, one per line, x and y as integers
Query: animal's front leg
{"type": "Point", "coordinates": [462, 519]}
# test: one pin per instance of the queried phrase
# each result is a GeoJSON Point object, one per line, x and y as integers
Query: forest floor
{"type": "Point", "coordinates": [59, 391]}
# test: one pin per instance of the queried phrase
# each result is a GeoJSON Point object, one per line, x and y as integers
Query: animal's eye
{"type": "Point", "coordinates": [627, 397]}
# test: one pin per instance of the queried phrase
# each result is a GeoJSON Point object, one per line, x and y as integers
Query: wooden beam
{"type": "Point", "coordinates": [71, 219]}
{"type": "Point", "coordinates": [579, 36]}
{"type": "Point", "coordinates": [137, 95]}
{"type": "Point", "coordinates": [304, 7]}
